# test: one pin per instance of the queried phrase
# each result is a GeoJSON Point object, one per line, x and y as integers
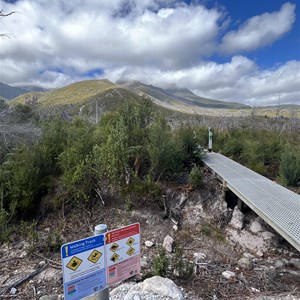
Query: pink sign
{"type": "Point", "coordinates": [123, 253]}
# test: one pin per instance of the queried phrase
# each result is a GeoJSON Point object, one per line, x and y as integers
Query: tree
{"type": "Point", "coordinates": [165, 154]}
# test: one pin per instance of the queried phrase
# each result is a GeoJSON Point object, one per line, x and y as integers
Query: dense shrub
{"type": "Point", "coordinates": [289, 170]}
{"type": "Point", "coordinates": [196, 177]}
{"type": "Point", "coordinates": [132, 149]}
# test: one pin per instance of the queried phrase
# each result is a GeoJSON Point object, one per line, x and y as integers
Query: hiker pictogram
{"type": "Point", "coordinates": [94, 256]}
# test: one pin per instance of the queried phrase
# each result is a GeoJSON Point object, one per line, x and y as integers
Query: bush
{"type": "Point", "coordinates": [165, 153]}
{"type": "Point", "coordinates": [195, 177]}
{"type": "Point", "coordinates": [5, 229]}
{"type": "Point", "coordinates": [289, 169]}
{"type": "Point", "coordinates": [182, 267]}
{"type": "Point", "coordinates": [160, 264]}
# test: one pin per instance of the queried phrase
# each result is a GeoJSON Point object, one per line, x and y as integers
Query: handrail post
{"type": "Point", "coordinates": [104, 294]}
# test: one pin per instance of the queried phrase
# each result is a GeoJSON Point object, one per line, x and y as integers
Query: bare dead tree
{"type": "Point", "coordinates": [3, 14]}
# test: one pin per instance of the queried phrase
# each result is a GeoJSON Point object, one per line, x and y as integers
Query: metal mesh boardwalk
{"type": "Point", "coordinates": [278, 206]}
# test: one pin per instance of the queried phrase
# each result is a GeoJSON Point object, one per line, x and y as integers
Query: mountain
{"type": "Point", "coordinates": [173, 95]}
{"type": "Point", "coordinates": [10, 92]}
{"type": "Point", "coordinates": [80, 98]}
{"type": "Point", "coordinates": [32, 88]}
{"type": "Point", "coordinates": [74, 93]}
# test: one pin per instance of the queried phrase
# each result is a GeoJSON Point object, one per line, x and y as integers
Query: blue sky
{"type": "Point", "coordinates": [284, 49]}
{"type": "Point", "coordinates": [244, 51]}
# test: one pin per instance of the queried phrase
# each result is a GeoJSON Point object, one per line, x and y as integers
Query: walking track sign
{"type": "Point", "coordinates": [83, 267]}
{"type": "Point", "coordinates": [93, 264]}
{"type": "Point", "coordinates": [123, 253]}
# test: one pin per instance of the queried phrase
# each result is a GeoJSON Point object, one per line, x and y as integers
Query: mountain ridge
{"type": "Point", "coordinates": [182, 95]}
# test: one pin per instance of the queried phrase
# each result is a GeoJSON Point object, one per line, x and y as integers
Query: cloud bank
{"type": "Point", "coordinates": [159, 42]}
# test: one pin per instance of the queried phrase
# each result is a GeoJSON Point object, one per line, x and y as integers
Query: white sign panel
{"type": "Point", "coordinates": [84, 269]}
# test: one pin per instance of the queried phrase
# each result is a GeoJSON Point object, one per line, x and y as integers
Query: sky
{"type": "Point", "coordinates": [229, 50]}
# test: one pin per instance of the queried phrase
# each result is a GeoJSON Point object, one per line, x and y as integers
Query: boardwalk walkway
{"type": "Point", "coordinates": [278, 206]}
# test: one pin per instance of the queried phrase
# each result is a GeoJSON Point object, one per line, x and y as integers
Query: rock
{"type": "Point", "coordinates": [248, 255]}
{"type": "Point", "coordinates": [49, 274]}
{"type": "Point", "coordinates": [149, 244]}
{"type": "Point", "coordinates": [255, 290]}
{"type": "Point", "coordinates": [256, 227]}
{"type": "Point", "coordinates": [237, 220]}
{"type": "Point", "coordinates": [267, 235]}
{"type": "Point", "coordinates": [46, 297]}
{"type": "Point", "coordinates": [295, 262]}
{"type": "Point", "coordinates": [228, 274]}
{"type": "Point", "coordinates": [245, 263]}
{"type": "Point", "coordinates": [144, 261]}
{"type": "Point", "coordinates": [42, 263]}
{"type": "Point", "coordinates": [161, 286]}
{"type": "Point", "coordinates": [199, 256]}
{"type": "Point", "coordinates": [121, 291]}
{"type": "Point", "coordinates": [259, 253]}
{"type": "Point", "coordinates": [168, 243]}
{"type": "Point", "coordinates": [279, 264]}
{"type": "Point", "coordinates": [13, 291]}
{"type": "Point", "coordinates": [247, 240]}
{"type": "Point", "coordinates": [132, 296]}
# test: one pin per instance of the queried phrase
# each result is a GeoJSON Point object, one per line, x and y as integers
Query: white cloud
{"type": "Point", "coordinates": [238, 80]}
{"type": "Point", "coordinates": [260, 30]}
{"type": "Point", "coordinates": [161, 42]}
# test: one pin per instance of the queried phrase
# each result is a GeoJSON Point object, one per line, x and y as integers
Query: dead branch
{"type": "Point", "coordinates": [48, 259]}
{"type": "Point", "coordinates": [2, 14]}
{"type": "Point", "coordinates": [22, 280]}
{"type": "Point", "coordinates": [9, 259]}
{"type": "Point", "coordinates": [97, 190]}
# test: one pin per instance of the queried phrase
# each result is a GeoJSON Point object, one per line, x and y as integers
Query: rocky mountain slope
{"type": "Point", "coordinates": [178, 95]}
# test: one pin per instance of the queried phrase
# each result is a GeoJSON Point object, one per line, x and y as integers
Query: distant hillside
{"type": "Point", "coordinates": [32, 88]}
{"type": "Point", "coordinates": [178, 95]}
{"type": "Point", "coordinates": [10, 92]}
{"type": "Point", "coordinates": [190, 98]}
{"type": "Point", "coordinates": [80, 98]}
{"type": "Point", "coordinates": [281, 106]}
{"type": "Point", "coordinates": [74, 93]}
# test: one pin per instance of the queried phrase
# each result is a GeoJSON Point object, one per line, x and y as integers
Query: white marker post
{"type": "Point", "coordinates": [104, 294]}
{"type": "Point", "coordinates": [209, 140]}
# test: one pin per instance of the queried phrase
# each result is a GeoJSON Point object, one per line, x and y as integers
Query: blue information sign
{"type": "Point", "coordinates": [84, 269]}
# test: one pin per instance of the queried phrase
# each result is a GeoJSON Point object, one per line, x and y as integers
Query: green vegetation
{"type": "Point", "coordinates": [269, 153]}
{"type": "Point", "coordinates": [73, 93]}
{"type": "Point", "coordinates": [131, 151]}
{"type": "Point", "coordinates": [212, 231]}
{"type": "Point", "coordinates": [183, 269]}
{"type": "Point", "coordinates": [195, 177]}
{"type": "Point", "coordinates": [160, 264]}
{"type": "Point", "coordinates": [289, 168]}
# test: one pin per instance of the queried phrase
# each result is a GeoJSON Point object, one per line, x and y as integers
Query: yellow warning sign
{"type": "Point", "coordinates": [114, 257]}
{"type": "Point", "coordinates": [130, 241]}
{"type": "Point", "coordinates": [74, 263]}
{"type": "Point", "coordinates": [130, 251]}
{"type": "Point", "coordinates": [94, 256]}
{"type": "Point", "coordinates": [114, 247]}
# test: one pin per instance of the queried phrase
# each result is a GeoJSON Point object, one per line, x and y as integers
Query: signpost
{"type": "Point", "coordinates": [84, 267]}
{"type": "Point", "coordinates": [123, 253]}
{"type": "Point", "coordinates": [93, 264]}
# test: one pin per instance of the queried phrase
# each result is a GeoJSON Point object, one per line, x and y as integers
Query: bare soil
{"type": "Point", "coordinates": [34, 268]}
